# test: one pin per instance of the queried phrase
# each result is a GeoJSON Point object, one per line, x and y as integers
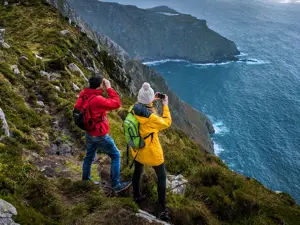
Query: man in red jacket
{"type": "Point", "coordinates": [99, 138]}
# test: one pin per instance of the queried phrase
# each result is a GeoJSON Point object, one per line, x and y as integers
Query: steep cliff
{"type": "Point", "coordinates": [41, 155]}
{"type": "Point", "coordinates": [158, 33]}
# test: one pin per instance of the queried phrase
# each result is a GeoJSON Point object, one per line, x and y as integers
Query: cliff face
{"type": "Point", "coordinates": [41, 149]}
{"type": "Point", "coordinates": [158, 33]}
{"type": "Point", "coordinates": [131, 75]}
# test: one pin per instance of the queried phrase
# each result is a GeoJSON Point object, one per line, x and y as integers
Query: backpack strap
{"type": "Point", "coordinates": [150, 135]}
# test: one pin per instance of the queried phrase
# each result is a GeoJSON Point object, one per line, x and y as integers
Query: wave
{"type": "Point", "coordinates": [255, 61]}
{"type": "Point", "coordinates": [220, 128]}
{"type": "Point", "coordinates": [158, 62]}
{"type": "Point", "coordinates": [218, 149]}
{"type": "Point", "coordinates": [212, 64]}
{"type": "Point", "coordinates": [242, 54]}
{"type": "Point", "coordinates": [248, 61]}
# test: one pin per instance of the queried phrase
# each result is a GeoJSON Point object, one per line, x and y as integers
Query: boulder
{"type": "Point", "coordinates": [6, 212]}
{"type": "Point", "coordinates": [15, 69]}
{"type": "Point", "coordinates": [76, 88]}
{"type": "Point", "coordinates": [4, 124]}
{"type": "Point", "coordinates": [74, 68]}
{"type": "Point", "coordinates": [177, 184]}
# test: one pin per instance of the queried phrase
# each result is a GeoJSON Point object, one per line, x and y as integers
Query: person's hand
{"type": "Point", "coordinates": [106, 83]}
{"type": "Point", "coordinates": [166, 100]}
{"type": "Point", "coordinates": [156, 98]}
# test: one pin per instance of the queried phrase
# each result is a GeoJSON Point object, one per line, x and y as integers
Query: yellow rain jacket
{"type": "Point", "coordinates": [150, 123]}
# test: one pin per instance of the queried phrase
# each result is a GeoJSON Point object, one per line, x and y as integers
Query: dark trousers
{"type": "Point", "coordinates": [161, 181]}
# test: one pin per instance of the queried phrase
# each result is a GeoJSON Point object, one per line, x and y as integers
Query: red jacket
{"type": "Point", "coordinates": [99, 105]}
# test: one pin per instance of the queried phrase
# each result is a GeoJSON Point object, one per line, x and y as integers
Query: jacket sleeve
{"type": "Point", "coordinates": [163, 122]}
{"type": "Point", "coordinates": [111, 103]}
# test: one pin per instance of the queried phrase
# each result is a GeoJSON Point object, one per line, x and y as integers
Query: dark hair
{"type": "Point", "coordinates": [95, 81]}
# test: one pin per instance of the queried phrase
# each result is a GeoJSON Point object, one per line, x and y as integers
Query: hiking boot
{"type": "Point", "coordinates": [140, 199]}
{"type": "Point", "coordinates": [164, 216]}
{"type": "Point", "coordinates": [122, 186]}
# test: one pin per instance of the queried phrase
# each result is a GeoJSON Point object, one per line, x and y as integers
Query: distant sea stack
{"type": "Point", "coordinates": [157, 33]}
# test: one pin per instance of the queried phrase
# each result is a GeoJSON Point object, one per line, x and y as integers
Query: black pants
{"type": "Point", "coordinates": [161, 181]}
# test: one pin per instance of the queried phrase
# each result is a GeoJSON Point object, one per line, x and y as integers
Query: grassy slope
{"type": "Point", "coordinates": [215, 195]}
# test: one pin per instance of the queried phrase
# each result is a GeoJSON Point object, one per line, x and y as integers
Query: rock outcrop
{"type": "Point", "coordinates": [157, 33]}
{"type": "Point", "coordinates": [74, 68]}
{"type": "Point", "coordinates": [177, 184]}
{"type": "Point", "coordinates": [131, 75]}
{"type": "Point", "coordinates": [6, 212]}
{"type": "Point", "coordinates": [4, 44]}
{"type": "Point", "coordinates": [4, 131]}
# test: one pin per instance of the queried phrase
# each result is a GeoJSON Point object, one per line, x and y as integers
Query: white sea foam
{"type": "Point", "coordinates": [211, 64]}
{"type": "Point", "coordinates": [220, 128]}
{"type": "Point", "coordinates": [218, 149]}
{"type": "Point", "coordinates": [249, 61]}
{"type": "Point", "coordinates": [242, 54]}
{"type": "Point", "coordinates": [169, 14]}
{"type": "Point", "coordinates": [158, 62]}
{"type": "Point", "coordinates": [256, 62]}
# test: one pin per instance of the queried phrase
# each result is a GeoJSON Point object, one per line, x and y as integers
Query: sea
{"type": "Point", "coordinates": [254, 103]}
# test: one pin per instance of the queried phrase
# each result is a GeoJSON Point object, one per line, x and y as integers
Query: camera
{"type": "Point", "coordinates": [160, 96]}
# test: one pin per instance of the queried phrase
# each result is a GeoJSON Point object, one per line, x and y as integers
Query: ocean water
{"type": "Point", "coordinates": [254, 105]}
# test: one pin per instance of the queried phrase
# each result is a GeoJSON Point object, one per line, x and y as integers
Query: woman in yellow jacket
{"type": "Point", "coordinates": [152, 153]}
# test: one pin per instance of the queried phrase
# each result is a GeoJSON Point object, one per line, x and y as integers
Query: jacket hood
{"type": "Point", "coordinates": [89, 91]}
{"type": "Point", "coordinates": [142, 113]}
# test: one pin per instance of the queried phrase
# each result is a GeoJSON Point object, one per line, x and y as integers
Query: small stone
{"type": "Point", "coordinates": [64, 32]}
{"type": "Point", "coordinates": [38, 57]}
{"type": "Point", "coordinates": [40, 103]}
{"type": "Point", "coordinates": [278, 192]}
{"type": "Point", "coordinates": [23, 58]}
{"type": "Point", "coordinates": [4, 124]}
{"type": "Point", "coordinates": [35, 155]}
{"type": "Point", "coordinates": [57, 88]}
{"type": "Point", "coordinates": [5, 45]}
{"type": "Point", "coordinates": [90, 69]}
{"type": "Point", "coordinates": [76, 88]}
{"type": "Point", "coordinates": [15, 69]}
{"type": "Point", "coordinates": [44, 73]}
{"type": "Point", "coordinates": [2, 33]}
{"type": "Point", "coordinates": [5, 3]}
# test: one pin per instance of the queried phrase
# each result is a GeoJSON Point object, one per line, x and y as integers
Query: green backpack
{"type": "Point", "coordinates": [131, 131]}
{"type": "Point", "coordinates": [132, 135]}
